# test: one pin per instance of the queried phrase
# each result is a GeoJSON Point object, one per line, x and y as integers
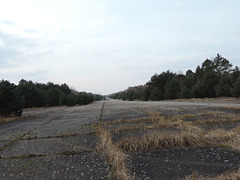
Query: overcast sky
{"type": "Point", "coordinates": [104, 46]}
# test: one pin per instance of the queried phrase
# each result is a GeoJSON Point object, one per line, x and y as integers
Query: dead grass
{"type": "Point", "coordinates": [9, 119]}
{"type": "Point", "coordinates": [164, 141]}
{"type": "Point", "coordinates": [218, 100]}
{"type": "Point", "coordinates": [237, 130]}
{"type": "Point", "coordinates": [234, 141]}
{"type": "Point", "coordinates": [231, 107]}
{"type": "Point", "coordinates": [211, 118]}
{"type": "Point", "coordinates": [61, 136]}
{"type": "Point", "coordinates": [137, 127]}
{"type": "Point", "coordinates": [160, 122]}
{"type": "Point", "coordinates": [202, 114]}
{"type": "Point", "coordinates": [190, 135]}
{"type": "Point", "coordinates": [116, 158]}
{"type": "Point", "coordinates": [219, 118]}
{"type": "Point", "coordinates": [74, 152]}
{"type": "Point", "coordinates": [4, 120]}
{"type": "Point", "coordinates": [154, 121]}
{"type": "Point", "coordinates": [24, 156]}
{"type": "Point", "coordinates": [120, 121]}
{"type": "Point", "coordinates": [234, 175]}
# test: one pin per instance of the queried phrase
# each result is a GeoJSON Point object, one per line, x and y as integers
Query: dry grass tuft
{"type": "Point", "coordinates": [225, 119]}
{"type": "Point", "coordinates": [234, 175]}
{"type": "Point", "coordinates": [237, 130]}
{"type": "Point", "coordinates": [4, 120]}
{"type": "Point", "coordinates": [164, 141]}
{"type": "Point", "coordinates": [211, 118]}
{"type": "Point", "coordinates": [231, 107]}
{"type": "Point", "coordinates": [157, 122]}
{"type": "Point", "coordinates": [174, 122]}
{"type": "Point", "coordinates": [140, 126]}
{"type": "Point", "coordinates": [216, 100]}
{"type": "Point", "coordinates": [155, 116]}
{"type": "Point", "coordinates": [116, 158]}
{"type": "Point", "coordinates": [190, 135]}
{"type": "Point", "coordinates": [120, 121]}
{"type": "Point", "coordinates": [226, 138]}
{"type": "Point", "coordinates": [9, 119]}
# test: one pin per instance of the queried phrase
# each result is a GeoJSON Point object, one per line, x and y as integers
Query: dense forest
{"type": "Point", "coordinates": [215, 78]}
{"type": "Point", "coordinates": [13, 98]}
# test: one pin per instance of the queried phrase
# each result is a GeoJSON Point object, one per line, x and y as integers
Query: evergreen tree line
{"type": "Point", "coordinates": [13, 98]}
{"type": "Point", "coordinates": [215, 78]}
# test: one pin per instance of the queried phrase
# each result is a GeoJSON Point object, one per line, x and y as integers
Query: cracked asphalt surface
{"type": "Point", "coordinates": [56, 143]}
{"type": "Point", "coordinates": [60, 142]}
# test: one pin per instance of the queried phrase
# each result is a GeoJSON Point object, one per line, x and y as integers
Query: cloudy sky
{"type": "Point", "coordinates": [104, 46]}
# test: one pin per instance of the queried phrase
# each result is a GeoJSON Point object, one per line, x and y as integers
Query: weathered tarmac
{"type": "Point", "coordinates": [60, 143]}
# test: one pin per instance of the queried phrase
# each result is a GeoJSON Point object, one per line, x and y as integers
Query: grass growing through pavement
{"type": "Point", "coordinates": [116, 158]}
{"type": "Point", "coordinates": [4, 120]}
{"type": "Point", "coordinates": [234, 175]}
{"type": "Point", "coordinates": [164, 141]}
{"type": "Point", "coordinates": [188, 134]}
{"type": "Point", "coordinates": [191, 134]}
{"type": "Point", "coordinates": [185, 139]}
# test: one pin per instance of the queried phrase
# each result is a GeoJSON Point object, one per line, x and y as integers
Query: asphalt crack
{"type": "Point", "coordinates": [23, 135]}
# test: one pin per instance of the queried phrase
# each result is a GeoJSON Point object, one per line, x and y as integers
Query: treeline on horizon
{"type": "Point", "coordinates": [215, 78]}
{"type": "Point", "coordinates": [13, 98]}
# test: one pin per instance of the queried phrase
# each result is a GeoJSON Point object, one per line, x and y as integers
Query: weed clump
{"type": "Point", "coordinates": [164, 141]}
{"type": "Point", "coordinates": [116, 158]}
{"type": "Point", "coordinates": [234, 175]}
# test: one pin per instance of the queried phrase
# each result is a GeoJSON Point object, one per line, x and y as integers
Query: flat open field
{"type": "Point", "coordinates": [197, 139]}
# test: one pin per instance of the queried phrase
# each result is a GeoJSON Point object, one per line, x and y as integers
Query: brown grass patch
{"type": "Point", "coordinates": [190, 135]}
{"type": "Point", "coordinates": [4, 120]}
{"type": "Point", "coordinates": [211, 118]}
{"type": "Point", "coordinates": [231, 107]}
{"type": "Point", "coordinates": [116, 158]}
{"type": "Point", "coordinates": [178, 124]}
{"type": "Point", "coordinates": [120, 121]}
{"type": "Point", "coordinates": [234, 175]}
{"type": "Point", "coordinates": [202, 114]}
{"type": "Point", "coordinates": [140, 126]}
{"type": "Point", "coordinates": [213, 100]}
{"type": "Point", "coordinates": [220, 118]}
{"type": "Point", "coordinates": [164, 141]}
{"type": "Point", "coordinates": [157, 121]}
